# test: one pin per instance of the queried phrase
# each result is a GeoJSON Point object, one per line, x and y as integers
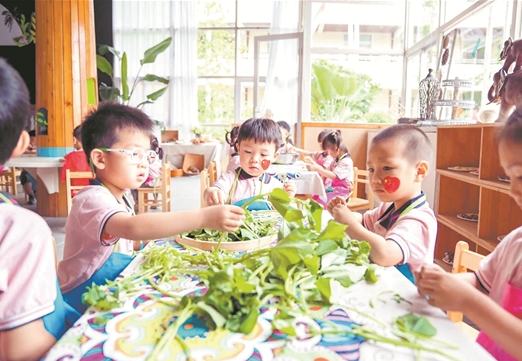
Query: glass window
{"type": "Point", "coordinates": [452, 8]}
{"type": "Point", "coordinates": [218, 13]}
{"type": "Point", "coordinates": [245, 50]}
{"type": "Point", "coordinates": [254, 13]}
{"type": "Point", "coordinates": [216, 52]}
{"type": "Point", "coordinates": [345, 25]}
{"type": "Point", "coordinates": [216, 100]}
{"type": "Point", "coordinates": [423, 18]}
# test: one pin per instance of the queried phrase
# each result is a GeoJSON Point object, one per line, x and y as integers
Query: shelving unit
{"type": "Point", "coordinates": [462, 192]}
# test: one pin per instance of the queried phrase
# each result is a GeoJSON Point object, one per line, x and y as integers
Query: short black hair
{"type": "Point", "coordinates": [417, 146]}
{"type": "Point", "coordinates": [32, 133]}
{"type": "Point", "coordinates": [14, 109]}
{"type": "Point", "coordinates": [260, 130]}
{"type": "Point", "coordinates": [335, 138]}
{"type": "Point", "coordinates": [77, 133]}
{"type": "Point", "coordinates": [284, 125]}
{"type": "Point", "coordinates": [511, 132]}
{"type": "Point", "coordinates": [231, 137]}
{"type": "Point", "coordinates": [101, 126]}
{"type": "Point", "coordinates": [323, 134]}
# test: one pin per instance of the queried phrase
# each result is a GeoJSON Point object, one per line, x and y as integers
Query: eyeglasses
{"type": "Point", "coordinates": [137, 155]}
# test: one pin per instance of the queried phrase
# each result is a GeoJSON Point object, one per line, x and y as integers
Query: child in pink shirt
{"type": "Point", "coordinates": [321, 157]}
{"type": "Point", "coordinates": [33, 314]}
{"type": "Point", "coordinates": [101, 231]}
{"type": "Point", "coordinates": [491, 297]}
{"type": "Point", "coordinates": [76, 161]}
{"type": "Point", "coordinates": [257, 144]}
{"type": "Point", "coordinates": [403, 229]}
{"type": "Point", "coordinates": [231, 138]}
{"type": "Point", "coordinates": [338, 176]}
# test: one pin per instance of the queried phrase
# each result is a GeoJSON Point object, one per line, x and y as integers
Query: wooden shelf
{"type": "Point", "coordinates": [443, 264]}
{"type": "Point", "coordinates": [462, 192]}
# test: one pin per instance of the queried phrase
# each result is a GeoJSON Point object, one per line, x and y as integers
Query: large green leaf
{"type": "Point", "coordinates": [152, 77]}
{"type": "Point", "coordinates": [125, 86]}
{"type": "Point", "coordinates": [154, 96]}
{"type": "Point", "coordinates": [324, 76]}
{"type": "Point", "coordinates": [345, 85]}
{"type": "Point", "coordinates": [103, 65]}
{"type": "Point", "coordinates": [150, 54]}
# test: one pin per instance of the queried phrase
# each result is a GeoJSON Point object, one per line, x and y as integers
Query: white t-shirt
{"type": "Point", "coordinates": [87, 246]}
{"type": "Point", "coordinates": [27, 267]}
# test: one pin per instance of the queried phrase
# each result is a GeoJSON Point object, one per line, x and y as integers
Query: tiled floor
{"type": "Point", "coordinates": [185, 195]}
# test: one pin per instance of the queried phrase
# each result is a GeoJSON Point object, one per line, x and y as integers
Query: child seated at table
{"type": "Point", "coordinates": [285, 136]}
{"type": "Point", "coordinates": [321, 157]}
{"type": "Point", "coordinates": [101, 226]}
{"type": "Point", "coordinates": [491, 297]}
{"type": "Point", "coordinates": [258, 145]}
{"type": "Point", "coordinates": [338, 176]}
{"type": "Point", "coordinates": [154, 178]}
{"type": "Point", "coordinates": [402, 229]}
{"type": "Point", "coordinates": [32, 312]}
{"type": "Point", "coordinates": [76, 161]}
{"type": "Point", "coordinates": [231, 138]}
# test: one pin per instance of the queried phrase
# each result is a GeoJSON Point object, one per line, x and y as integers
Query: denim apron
{"type": "Point", "coordinates": [388, 219]}
{"type": "Point", "coordinates": [63, 315]}
{"type": "Point", "coordinates": [259, 205]}
{"type": "Point", "coordinates": [511, 302]}
{"type": "Point", "coordinates": [110, 269]}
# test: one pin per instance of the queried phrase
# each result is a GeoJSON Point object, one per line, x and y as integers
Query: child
{"type": "Point", "coordinates": [26, 179]}
{"type": "Point", "coordinates": [285, 136]}
{"type": "Point", "coordinates": [231, 138]}
{"type": "Point", "coordinates": [322, 157]}
{"type": "Point", "coordinates": [338, 176]}
{"type": "Point", "coordinates": [402, 230]}
{"type": "Point", "coordinates": [154, 178]}
{"type": "Point", "coordinates": [257, 144]}
{"type": "Point", "coordinates": [116, 140]}
{"type": "Point", "coordinates": [32, 312]}
{"type": "Point", "coordinates": [76, 161]}
{"type": "Point", "coordinates": [492, 296]}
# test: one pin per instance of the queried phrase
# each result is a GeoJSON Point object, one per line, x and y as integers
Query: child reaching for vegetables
{"type": "Point", "coordinates": [492, 296]}
{"type": "Point", "coordinates": [321, 157]}
{"type": "Point", "coordinates": [101, 226]}
{"type": "Point", "coordinates": [338, 175]}
{"type": "Point", "coordinates": [402, 230]}
{"type": "Point", "coordinates": [257, 143]}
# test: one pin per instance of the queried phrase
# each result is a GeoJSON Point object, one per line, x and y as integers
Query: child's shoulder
{"type": "Point", "coordinates": [14, 225]}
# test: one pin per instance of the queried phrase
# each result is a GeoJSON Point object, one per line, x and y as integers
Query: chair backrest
{"type": "Point", "coordinates": [144, 202]}
{"type": "Point", "coordinates": [203, 185]}
{"type": "Point", "coordinates": [212, 173]}
{"type": "Point", "coordinates": [8, 180]}
{"type": "Point", "coordinates": [355, 202]}
{"type": "Point", "coordinates": [69, 176]}
{"type": "Point", "coordinates": [463, 260]}
{"type": "Point", "coordinates": [55, 253]}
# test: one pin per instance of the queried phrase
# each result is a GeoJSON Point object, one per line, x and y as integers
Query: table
{"type": "Point", "coordinates": [47, 168]}
{"type": "Point", "coordinates": [214, 151]}
{"type": "Point", "coordinates": [306, 182]}
{"type": "Point", "coordinates": [126, 333]}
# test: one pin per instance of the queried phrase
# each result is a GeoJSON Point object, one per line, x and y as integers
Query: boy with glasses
{"type": "Point", "coordinates": [101, 227]}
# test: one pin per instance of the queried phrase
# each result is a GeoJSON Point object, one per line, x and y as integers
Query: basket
{"type": "Point", "coordinates": [228, 246]}
{"type": "Point", "coordinates": [193, 160]}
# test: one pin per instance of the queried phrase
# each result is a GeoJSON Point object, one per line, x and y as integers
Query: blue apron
{"type": "Point", "coordinates": [388, 219]}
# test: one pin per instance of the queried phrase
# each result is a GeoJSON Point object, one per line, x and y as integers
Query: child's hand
{"type": "Point", "coordinates": [214, 196]}
{"type": "Point", "coordinates": [313, 166]}
{"type": "Point", "coordinates": [308, 159]}
{"type": "Point", "coordinates": [334, 202]}
{"type": "Point", "coordinates": [443, 289]}
{"type": "Point", "coordinates": [290, 188]}
{"type": "Point", "coordinates": [223, 218]}
{"type": "Point", "coordinates": [291, 149]}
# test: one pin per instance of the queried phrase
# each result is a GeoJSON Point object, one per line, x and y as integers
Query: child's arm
{"type": "Point", "coordinates": [294, 149]}
{"type": "Point", "coordinates": [384, 252]}
{"type": "Point", "coordinates": [290, 188]}
{"type": "Point", "coordinates": [14, 343]}
{"type": "Point", "coordinates": [313, 166]}
{"type": "Point", "coordinates": [459, 292]}
{"type": "Point", "coordinates": [166, 224]}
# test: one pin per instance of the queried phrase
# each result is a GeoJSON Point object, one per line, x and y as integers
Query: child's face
{"type": "Point", "coordinates": [332, 150]}
{"type": "Point", "coordinates": [118, 171]}
{"type": "Point", "coordinates": [386, 159]}
{"type": "Point", "coordinates": [510, 160]}
{"type": "Point", "coordinates": [284, 134]}
{"type": "Point", "coordinates": [77, 144]}
{"type": "Point", "coordinates": [251, 155]}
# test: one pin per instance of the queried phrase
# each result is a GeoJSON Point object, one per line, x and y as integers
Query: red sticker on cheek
{"type": "Point", "coordinates": [391, 184]}
{"type": "Point", "coordinates": [265, 163]}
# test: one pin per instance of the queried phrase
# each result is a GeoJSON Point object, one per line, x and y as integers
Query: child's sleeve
{"type": "Point", "coordinates": [66, 165]}
{"type": "Point", "coordinates": [344, 169]}
{"type": "Point", "coordinates": [27, 268]}
{"type": "Point", "coordinates": [225, 181]}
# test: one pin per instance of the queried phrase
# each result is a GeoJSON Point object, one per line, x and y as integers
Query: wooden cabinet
{"type": "Point", "coordinates": [463, 192]}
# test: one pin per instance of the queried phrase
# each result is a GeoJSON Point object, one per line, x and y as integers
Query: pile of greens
{"type": "Point", "coordinates": [252, 228]}
{"type": "Point", "coordinates": [306, 268]}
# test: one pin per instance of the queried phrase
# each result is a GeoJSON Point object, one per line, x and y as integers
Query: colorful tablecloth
{"type": "Point", "coordinates": [129, 332]}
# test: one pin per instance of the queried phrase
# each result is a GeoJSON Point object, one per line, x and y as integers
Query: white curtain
{"type": "Point", "coordinates": [280, 96]}
{"type": "Point", "coordinates": [139, 25]}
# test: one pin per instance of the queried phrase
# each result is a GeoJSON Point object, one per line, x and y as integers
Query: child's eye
{"type": "Point", "coordinates": [248, 152]}
{"type": "Point", "coordinates": [264, 155]}
{"type": "Point", "coordinates": [370, 170]}
{"type": "Point", "coordinates": [386, 168]}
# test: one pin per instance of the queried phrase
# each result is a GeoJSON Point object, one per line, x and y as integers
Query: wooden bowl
{"type": "Point", "coordinates": [176, 172]}
{"type": "Point", "coordinates": [228, 246]}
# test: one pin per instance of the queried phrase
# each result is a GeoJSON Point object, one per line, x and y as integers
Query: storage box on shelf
{"type": "Point", "coordinates": [463, 192]}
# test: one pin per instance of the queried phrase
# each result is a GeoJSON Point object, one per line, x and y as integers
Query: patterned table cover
{"type": "Point", "coordinates": [129, 332]}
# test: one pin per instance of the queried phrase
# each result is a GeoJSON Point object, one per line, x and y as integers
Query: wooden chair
{"type": "Point", "coordinates": [9, 179]}
{"type": "Point", "coordinates": [144, 202]}
{"type": "Point", "coordinates": [355, 202]}
{"type": "Point", "coordinates": [69, 177]}
{"type": "Point", "coordinates": [464, 260]}
{"type": "Point", "coordinates": [212, 173]}
{"type": "Point", "coordinates": [203, 185]}
{"type": "Point", "coordinates": [55, 253]}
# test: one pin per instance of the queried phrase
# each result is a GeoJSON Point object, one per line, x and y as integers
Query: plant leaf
{"type": "Point", "coordinates": [124, 85]}
{"type": "Point", "coordinates": [103, 65]}
{"type": "Point", "coordinates": [152, 77]}
{"type": "Point", "coordinates": [150, 54]}
{"type": "Point", "coordinates": [154, 96]}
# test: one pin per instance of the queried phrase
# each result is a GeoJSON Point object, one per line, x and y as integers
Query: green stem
{"type": "Point", "coordinates": [376, 297]}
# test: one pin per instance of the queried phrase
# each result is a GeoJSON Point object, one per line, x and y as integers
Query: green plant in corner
{"type": "Point", "coordinates": [124, 92]}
